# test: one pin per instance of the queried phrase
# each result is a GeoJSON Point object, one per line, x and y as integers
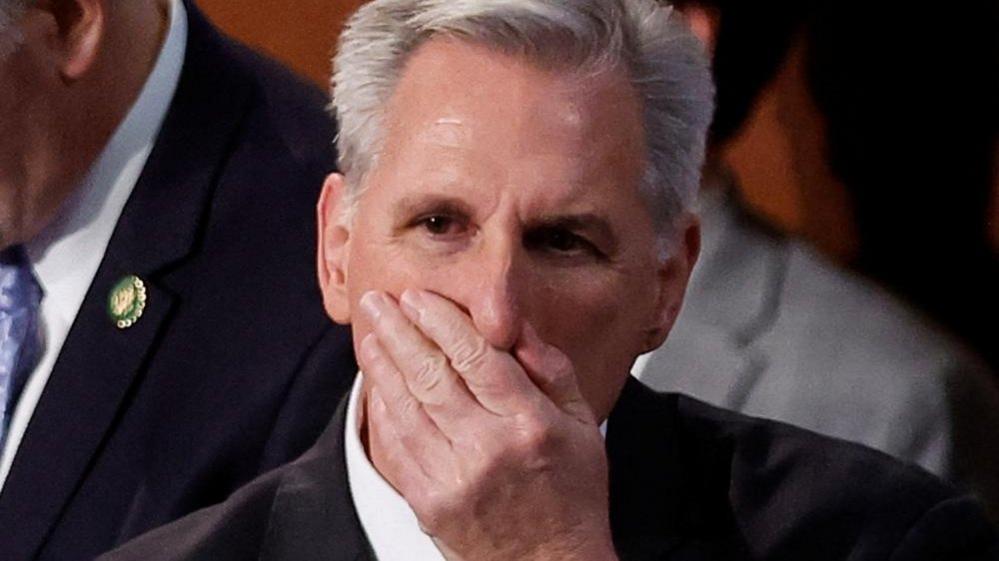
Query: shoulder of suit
{"type": "Point", "coordinates": [294, 108]}
{"type": "Point", "coordinates": [775, 462]}
{"type": "Point", "coordinates": [789, 489]}
{"type": "Point", "coordinates": [759, 445]}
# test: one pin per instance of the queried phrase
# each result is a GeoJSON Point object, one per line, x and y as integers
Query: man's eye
{"type": "Point", "coordinates": [562, 241]}
{"type": "Point", "coordinates": [441, 225]}
{"type": "Point", "coordinates": [557, 240]}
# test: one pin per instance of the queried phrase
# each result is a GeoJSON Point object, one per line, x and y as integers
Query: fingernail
{"type": "Point", "coordinates": [372, 303]}
{"type": "Point", "coordinates": [411, 303]}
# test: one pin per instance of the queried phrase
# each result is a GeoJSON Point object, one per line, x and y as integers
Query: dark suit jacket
{"type": "Point", "coordinates": [233, 369]}
{"type": "Point", "coordinates": [687, 481]}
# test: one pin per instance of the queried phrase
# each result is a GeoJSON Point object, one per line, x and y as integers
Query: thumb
{"type": "Point", "coordinates": [552, 372]}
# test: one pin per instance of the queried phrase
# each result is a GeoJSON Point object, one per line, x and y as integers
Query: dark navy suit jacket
{"type": "Point", "coordinates": [233, 369]}
{"type": "Point", "coordinates": [687, 482]}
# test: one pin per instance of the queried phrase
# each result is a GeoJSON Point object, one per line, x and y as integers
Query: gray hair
{"type": "Point", "coordinates": [10, 37]}
{"type": "Point", "coordinates": [666, 64]}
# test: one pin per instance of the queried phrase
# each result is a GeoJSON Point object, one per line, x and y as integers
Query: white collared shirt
{"type": "Point", "coordinates": [68, 252]}
{"type": "Point", "coordinates": [388, 521]}
{"type": "Point", "coordinates": [637, 369]}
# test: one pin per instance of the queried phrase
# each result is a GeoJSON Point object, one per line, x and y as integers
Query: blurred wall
{"type": "Point", "coordinates": [300, 33]}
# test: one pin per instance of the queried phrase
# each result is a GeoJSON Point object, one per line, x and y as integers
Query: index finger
{"type": "Point", "coordinates": [493, 376]}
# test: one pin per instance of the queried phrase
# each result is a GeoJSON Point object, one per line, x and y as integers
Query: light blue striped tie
{"type": "Point", "coordinates": [20, 341]}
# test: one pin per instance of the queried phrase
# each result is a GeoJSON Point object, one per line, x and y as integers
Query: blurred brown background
{"type": "Point", "coordinates": [302, 34]}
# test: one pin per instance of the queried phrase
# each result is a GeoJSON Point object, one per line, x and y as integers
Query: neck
{"type": "Point", "coordinates": [87, 112]}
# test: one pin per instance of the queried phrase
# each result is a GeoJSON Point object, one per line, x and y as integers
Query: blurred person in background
{"type": "Point", "coordinates": [161, 338]}
{"type": "Point", "coordinates": [772, 328]}
{"type": "Point", "coordinates": [910, 100]}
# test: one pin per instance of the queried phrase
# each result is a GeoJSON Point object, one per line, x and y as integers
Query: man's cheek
{"type": "Point", "coordinates": [569, 326]}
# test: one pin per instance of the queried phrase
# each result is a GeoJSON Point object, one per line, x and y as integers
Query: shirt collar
{"type": "Point", "coordinates": [389, 523]}
{"type": "Point", "coordinates": [67, 253]}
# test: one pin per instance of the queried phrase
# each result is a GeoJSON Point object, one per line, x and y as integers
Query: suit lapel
{"type": "Point", "coordinates": [313, 516]}
{"type": "Point", "coordinates": [98, 363]}
{"type": "Point", "coordinates": [646, 487]}
{"type": "Point", "coordinates": [669, 492]}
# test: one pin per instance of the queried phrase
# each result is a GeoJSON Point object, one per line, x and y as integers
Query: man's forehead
{"type": "Point", "coordinates": [447, 81]}
{"type": "Point", "coordinates": [449, 132]}
{"type": "Point", "coordinates": [466, 117]}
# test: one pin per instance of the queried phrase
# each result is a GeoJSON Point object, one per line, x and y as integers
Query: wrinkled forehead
{"type": "Point", "coordinates": [446, 79]}
{"type": "Point", "coordinates": [463, 101]}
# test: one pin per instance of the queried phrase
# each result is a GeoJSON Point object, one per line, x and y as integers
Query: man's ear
{"type": "Point", "coordinates": [673, 276]}
{"type": "Point", "coordinates": [76, 33]}
{"type": "Point", "coordinates": [334, 248]}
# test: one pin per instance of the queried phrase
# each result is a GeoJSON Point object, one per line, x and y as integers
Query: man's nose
{"type": "Point", "coordinates": [497, 297]}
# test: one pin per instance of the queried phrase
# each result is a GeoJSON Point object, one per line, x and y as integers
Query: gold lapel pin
{"type": "Point", "coordinates": [127, 301]}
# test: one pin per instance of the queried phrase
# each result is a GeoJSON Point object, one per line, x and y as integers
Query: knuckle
{"type": "Point", "coordinates": [425, 506]}
{"type": "Point", "coordinates": [536, 436]}
{"type": "Point", "coordinates": [430, 524]}
{"type": "Point", "coordinates": [429, 372]}
{"type": "Point", "coordinates": [470, 354]}
{"type": "Point", "coordinates": [435, 507]}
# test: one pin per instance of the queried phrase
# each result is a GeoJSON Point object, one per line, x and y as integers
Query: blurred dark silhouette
{"type": "Point", "coordinates": [911, 100]}
{"type": "Point", "coordinates": [896, 111]}
{"type": "Point", "coordinates": [751, 43]}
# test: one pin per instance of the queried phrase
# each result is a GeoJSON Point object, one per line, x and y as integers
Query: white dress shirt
{"type": "Point", "coordinates": [636, 370]}
{"type": "Point", "coordinates": [389, 523]}
{"type": "Point", "coordinates": [68, 252]}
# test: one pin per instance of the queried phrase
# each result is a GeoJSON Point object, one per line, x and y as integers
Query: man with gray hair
{"type": "Point", "coordinates": [512, 229]}
{"type": "Point", "coordinates": [161, 339]}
